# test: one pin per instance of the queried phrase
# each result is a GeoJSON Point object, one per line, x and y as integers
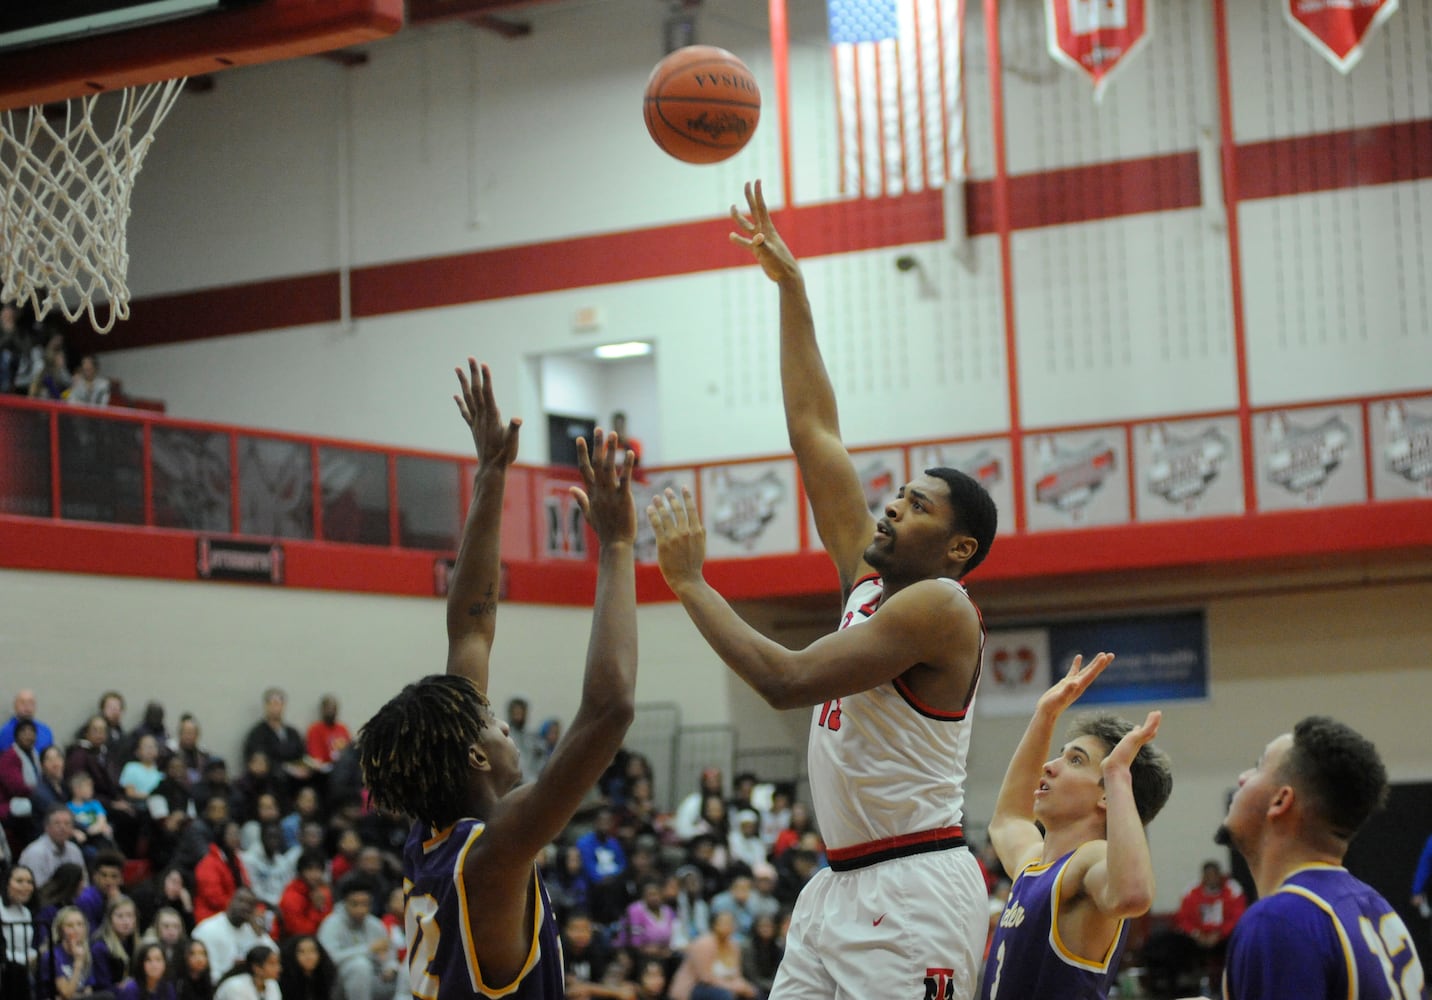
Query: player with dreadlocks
{"type": "Point", "coordinates": [478, 918]}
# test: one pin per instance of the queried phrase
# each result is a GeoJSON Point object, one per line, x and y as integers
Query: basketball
{"type": "Point", "coordinates": [702, 104]}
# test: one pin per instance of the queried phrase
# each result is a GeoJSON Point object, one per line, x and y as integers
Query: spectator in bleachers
{"type": "Point", "coordinates": [693, 912]}
{"type": "Point", "coordinates": [259, 779]}
{"type": "Point", "coordinates": [801, 824]}
{"type": "Point", "coordinates": [269, 868]}
{"type": "Point", "coordinates": [17, 933]}
{"type": "Point", "coordinates": [255, 979]}
{"type": "Point", "coordinates": [186, 747]}
{"type": "Point", "coordinates": [358, 944]}
{"type": "Point", "coordinates": [763, 890]}
{"type": "Point", "coordinates": [229, 935]}
{"type": "Point", "coordinates": [89, 387]}
{"type": "Point", "coordinates": [220, 874]}
{"type": "Point", "coordinates": [19, 773]}
{"type": "Point", "coordinates": [761, 955]}
{"type": "Point", "coordinates": [651, 981]}
{"type": "Point", "coordinates": [92, 828]}
{"type": "Point", "coordinates": [215, 784]}
{"type": "Point", "coordinates": [381, 873]}
{"type": "Point", "coordinates": [395, 921]}
{"type": "Point", "coordinates": [115, 942]}
{"type": "Point", "coordinates": [279, 741]}
{"type": "Point", "coordinates": [51, 789]}
{"type": "Point", "coordinates": [548, 736]}
{"type": "Point", "coordinates": [710, 859]}
{"type": "Point", "coordinates": [106, 885]}
{"type": "Point", "coordinates": [53, 847]}
{"type": "Point", "coordinates": [151, 724]}
{"type": "Point", "coordinates": [744, 842]}
{"type": "Point", "coordinates": [528, 756]}
{"type": "Point", "coordinates": [266, 812]}
{"type": "Point", "coordinates": [715, 823]}
{"type": "Point", "coordinates": [739, 902]}
{"type": "Point", "coordinates": [307, 971]}
{"type": "Point", "coordinates": [795, 868]}
{"type": "Point", "coordinates": [25, 708]}
{"type": "Point", "coordinates": [141, 776]}
{"type": "Point", "coordinates": [194, 981]}
{"type": "Point", "coordinates": [63, 889]}
{"type": "Point", "coordinates": [327, 737]}
{"type": "Point", "coordinates": [777, 817]}
{"type": "Point", "coordinates": [638, 811]}
{"type": "Point", "coordinates": [648, 924]}
{"type": "Point", "coordinates": [567, 885]}
{"type": "Point", "coordinates": [14, 344]}
{"type": "Point", "coordinates": [68, 963]}
{"type": "Point", "coordinates": [90, 754]}
{"type": "Point", "coordinates": [307, 898]}
{"type": "Point", "coordinates": [111, 709]}
{"type": "Point", "coordinates": [149, 975]}
{"type": "Point", "coordinates": [585, 956]}
{"type": "Point", "coordinates": [711, 969]}
{"type": "Point", "coordinates": [167, 931]}
{"type": "Point", "coordinates": [345, 857]}
{"type": "Point", "coordinates": [53, 378]}
{"type": "Point", "coordinates": [685, 823]}
{"type": "Point", "coordinates": [604, 862]}
{"type": "Point", "coordinates": [305, 809]}
{"type": "Point", "coordinates": [171, 888]}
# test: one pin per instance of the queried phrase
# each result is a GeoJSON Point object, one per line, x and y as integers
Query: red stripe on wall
{"type": "Point", "coordinates": [1360, 157]}
{"type": "Point", "coordinates": [1351, 158]}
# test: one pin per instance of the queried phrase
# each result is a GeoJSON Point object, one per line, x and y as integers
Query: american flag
{"type": "Point", "coordinates": [899, 94]}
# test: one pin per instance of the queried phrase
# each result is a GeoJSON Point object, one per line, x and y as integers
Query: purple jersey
{"type": "Point", "coordinates": [442, 959]}
{"type": "Point", "coordinates": [1027, 958]}
{"type": "Point", "coordinates": [1322, 934]}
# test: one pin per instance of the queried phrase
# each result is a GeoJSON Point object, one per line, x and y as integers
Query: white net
{"type": "Point", "coordinates": [66, 180]}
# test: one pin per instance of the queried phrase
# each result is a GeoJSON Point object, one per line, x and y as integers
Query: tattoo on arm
{"type": "Point", "coordinates": [487, 606]}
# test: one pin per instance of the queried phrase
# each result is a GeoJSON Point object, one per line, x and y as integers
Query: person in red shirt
{"type": "Point", "coordinates": [327, 738]}
{"type": "Point", "coordinates": [1198, 941]}
{"type": "Point", "coordinates": [307, 899]}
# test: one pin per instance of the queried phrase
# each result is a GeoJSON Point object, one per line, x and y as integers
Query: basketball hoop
{"type": "Point", "coordinates": [64, 201]}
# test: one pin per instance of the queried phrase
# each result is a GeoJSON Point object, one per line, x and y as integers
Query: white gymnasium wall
{"type": "Point", "coordinates": [1354, 650]}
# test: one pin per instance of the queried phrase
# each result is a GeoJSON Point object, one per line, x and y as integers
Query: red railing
{"type": "Point", "coordinates": [131, 492]}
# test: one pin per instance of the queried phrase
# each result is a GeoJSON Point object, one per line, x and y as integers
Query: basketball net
{"type": "Point", "coordinates": [65, 204]}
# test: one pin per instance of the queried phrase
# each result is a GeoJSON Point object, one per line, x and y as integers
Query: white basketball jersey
{"type": "Point", "coordinates": [882, 764]}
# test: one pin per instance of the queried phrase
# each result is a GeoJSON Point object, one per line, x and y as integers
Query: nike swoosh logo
{"type": "Point", "coordinates": [876, 921]}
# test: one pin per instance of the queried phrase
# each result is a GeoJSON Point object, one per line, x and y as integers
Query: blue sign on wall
{"type": "Point", "coordinates": [1156, 658]}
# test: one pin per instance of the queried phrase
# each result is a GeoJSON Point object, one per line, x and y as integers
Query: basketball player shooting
{"type": "Point", "coordinates": [902, 910]}
{"type": "Point", "coordinates": [478, 918]}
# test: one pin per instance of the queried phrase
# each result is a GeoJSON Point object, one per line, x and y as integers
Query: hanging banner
{"type": "Point", "coordinates": [1338, 28]}
{"type": "Point", "coordinates": [1096, 37]}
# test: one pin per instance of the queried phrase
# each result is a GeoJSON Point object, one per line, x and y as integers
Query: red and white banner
{"type": "Point", "coordinates": [899, 94]}
{"type": "Point", "coordinates": [1338, 28]}
{"type": "Point", "coordinates": [1096, 37]}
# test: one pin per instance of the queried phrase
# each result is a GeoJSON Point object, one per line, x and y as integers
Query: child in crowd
{"type": "Point", "coordinates": [92, 830]}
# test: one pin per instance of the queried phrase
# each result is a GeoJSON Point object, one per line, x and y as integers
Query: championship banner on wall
{"type": "Point", "coordinates": [564, 529]}
{"type": "Point", "coordinates": [1401, 435]}
{"type": "Point", "coordinates": [988, 461]}
{"type": "Point", "coordinates": [1309, 457]}
{"type": "Point", "coordinates": [1076, 479]}
{"type": "Point", "coordinates": [1096, 37]}
{"type": "Point", "coordinates": [881, 473]}
{"type": "Point", "coordinates": [1338, 28]}
{"type": "Point", "coordinates": [1015, 673]}
{"type": "Point", "coordinates": [750, 510]}
{"type": "Point", "coordinates": [1188, 468]}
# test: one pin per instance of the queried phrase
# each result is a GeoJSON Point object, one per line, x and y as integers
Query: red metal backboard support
{"type": "Point", "coordinates": [204, 43]}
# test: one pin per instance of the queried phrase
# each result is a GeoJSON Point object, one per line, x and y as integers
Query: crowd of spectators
{"type": "Point", "coordinates": [134, 864]}
{"type": "Point", "coordinates": [35, 362]}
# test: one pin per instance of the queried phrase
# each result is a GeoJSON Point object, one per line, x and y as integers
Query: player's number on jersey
{"type": "Point", "coordinates": [830, 716]}
{"type": "Point", "coordinates": [420, 922]}
{"type": "Point", "coordinates": [998, 968]}
{"type": "Point", "coordinates": [1389, 942]}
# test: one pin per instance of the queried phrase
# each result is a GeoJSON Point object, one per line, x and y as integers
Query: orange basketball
{"type": "Point", "coordinates": [702, 104]}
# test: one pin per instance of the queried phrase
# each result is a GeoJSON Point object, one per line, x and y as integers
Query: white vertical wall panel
{"type": "Point", "coordinates": [1336, 292]}
{"type": "Point", "coordinates": [1283, 87]}
{"type": "Point", "coordinates": [1124, 318]}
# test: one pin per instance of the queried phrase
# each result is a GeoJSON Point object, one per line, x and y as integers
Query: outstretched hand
{"type": "Point", "coordinates": [757, 233]}
{"type": "Point", "coordinates": [1122, 756]}
{"type": "Point", "coordinates": [680, 537]}
{"type": "Point", "coordinates": [606, 499]}
{"type": "Point", "coordinates": [496, 444]}
{"type": "Point", "coordinates": [1073, 684]}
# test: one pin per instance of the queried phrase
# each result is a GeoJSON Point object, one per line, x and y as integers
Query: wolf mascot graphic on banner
{"type": "Point", "coordinates": [1300, 459]}
{"type": "Point", "coordinates": [742, 508]}
{"type": "Point", "coordinates": [1183, 467]}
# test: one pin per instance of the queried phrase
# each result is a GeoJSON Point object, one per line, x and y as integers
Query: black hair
{"type": "Point", "coordinates": [441, 713]}
{"type": "Point", "coordinates": [1339, 770]}
{"type": "Point", "coordinates": [974, 510]}
{"type": "Point", "coordinates": [356, 883]}
{"type": "Point", "coordinates": [107, 859]}
{"type": "Point", "coordinates": [294, 983]}
{"type": "Point", "coordinates": [311, 859]}
{"type": "Point", "coordinates": [1151, 772]}
{"type": "Point", "coordinates": [25, 724]}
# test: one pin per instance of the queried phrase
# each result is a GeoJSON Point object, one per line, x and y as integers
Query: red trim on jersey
{"type": "Point", "coordinates": [903, 689]}
{"type": "Point", "coordinates": [860, 855]}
